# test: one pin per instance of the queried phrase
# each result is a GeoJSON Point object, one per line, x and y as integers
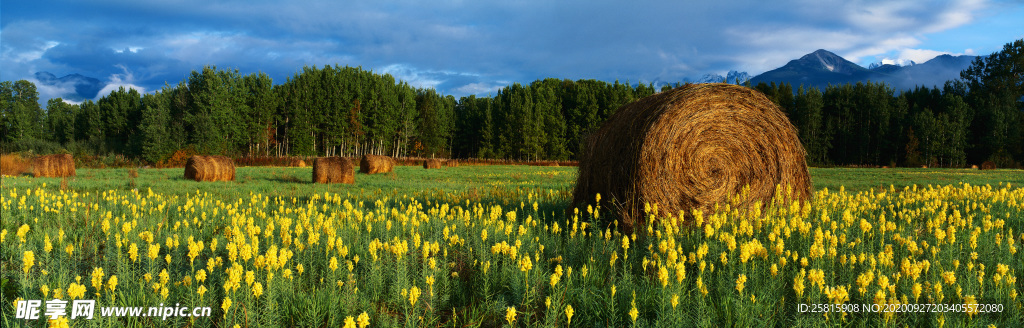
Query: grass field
{"type": "Point", "coordinates": [492, 246]}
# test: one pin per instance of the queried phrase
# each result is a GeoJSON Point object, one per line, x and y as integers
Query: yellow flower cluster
{"type": "Point", "coordinates": [935, 244]}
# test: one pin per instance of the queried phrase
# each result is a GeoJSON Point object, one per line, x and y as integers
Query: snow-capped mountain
{"type": "Point", "coordinates": [730, 77]}
{"type": "Point", "coordinates": [893, 62]}
{"type": "Point", "coordinates": [822, 68]}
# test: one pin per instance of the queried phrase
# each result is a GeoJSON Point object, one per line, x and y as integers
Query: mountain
{"type": "Point", "coordinates": [934, 72]}
{"type": "Point", "coordinates": [84, 87]}
{"type": "Point", "coordinates": [717, 78]}
{"type": "Point", "coordinates": [821, 68]}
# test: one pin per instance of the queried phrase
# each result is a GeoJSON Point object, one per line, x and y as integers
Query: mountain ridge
{"type": "Point", "coordinates": [822, 68]}
{"type": "Point", "coordinates": [85, 87]}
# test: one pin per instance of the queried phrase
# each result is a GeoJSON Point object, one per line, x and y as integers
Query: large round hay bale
{"type": "Point", "coordinates": [333, 170]}
{"type": "Point", "coordinates": [988, 165]}
{"type": "Point", "coordinates": [56, 165]}
{"type": "Point", "coordinates": [690, 148]}
{"type": "Point", "coordinates": [432, 163]}
{"type": "Point", "coordinates": [373, 164]}
{"type": "Point", "coordinates": [452, 163]}
{"type": "Point", "coordinates": [210, 168]}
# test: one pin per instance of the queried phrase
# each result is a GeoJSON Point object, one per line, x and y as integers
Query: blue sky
{"type": "Point", "coordinates": [475, 47]}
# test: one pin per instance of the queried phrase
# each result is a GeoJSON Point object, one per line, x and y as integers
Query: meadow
{"type": "Point", "coordinates": [493, 246]}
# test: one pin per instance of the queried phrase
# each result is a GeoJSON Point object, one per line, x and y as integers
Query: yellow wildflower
{"type": "Point", "coordinates": [741, 283]}
{"type": "Point", "coordinates": [226, 304]}
{"type": "Point", "coordinates": [28, 260]}
{"type": "Point", "coordinates": [414, 294]}
{"type": "Point", "coordinates": [363, 320]}
{"type": "Point", "coordinates": [510, 314]}
{"type": "Point", "coordinates": [112, 283]}
{"type": "Point", "coordinates": [568, 314]}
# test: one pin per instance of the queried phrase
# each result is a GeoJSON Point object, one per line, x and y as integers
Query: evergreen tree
{"type": "Point", "coordinates": [60, 121]}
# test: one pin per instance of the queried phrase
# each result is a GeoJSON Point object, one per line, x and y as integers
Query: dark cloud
{"type": "Point", "coordinates": [457, 47]}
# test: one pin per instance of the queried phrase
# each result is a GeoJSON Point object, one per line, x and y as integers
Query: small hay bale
{"type": "Point", "coordinates": [210, 168]}
{"type": "Point", "coordinates": [691, 148]}
{"type": "Point", "coordinates": [333, 170]}
{"type": "Point", "coordinates": [373, 164]}
{"type": "Point", "coordinates": [988, 165]}
{"type": "Point", "coordinates": [432, 163]}
{"type": "Point", "coordinates": [300, 163]}
{"type": "Point", "coordinates": [974, 167]}
{"type": "Point", "coordinates": [451, 163]}
{"type": "Point", "coordinates": [13, 164]}
{"type": "Point", "coordinates": [56, 165]}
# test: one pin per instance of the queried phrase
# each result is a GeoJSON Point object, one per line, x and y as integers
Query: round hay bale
{"type": "Point", "coordinates": [210, 168]}
{"type": "Point", "coordinates": [690, 148]}
{"type": "Point", "coordinates": [988, 165]}
{"type": "Point", "coordinates": [333, 170]}
{"type": "Point", "coordinates": [373, 164]}
{"type": "Point", "coordinates": [974, 167]}
{"type": "Point", "coordinates": [451, 163]}
{"type": "Point", "coordinates": [54, 166]}
{"type": "Point", "coordinates": [432, 163]}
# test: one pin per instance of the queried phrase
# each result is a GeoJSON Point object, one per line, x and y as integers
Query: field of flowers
{"type": "Point", "coordinates": [454, 259]}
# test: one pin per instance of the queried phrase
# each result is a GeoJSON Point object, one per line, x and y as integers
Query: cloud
{"type": "Point", "coordinates": [480, 88]}
{"type": "Point", "coordinates": [464, 47]}
{"type": "Point", "coordinates": [52, 90]}
{"type": "Point", "coordinates": [124, 80]}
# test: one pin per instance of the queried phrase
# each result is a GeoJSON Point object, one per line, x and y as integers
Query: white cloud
{"type": "Point", "coordinates": [47, 92]}
{"type": "Point", "coordinates": [124, 80]}
{"type": "Point", "coordinates": [128, 50]}
{"type": "Point", "coordinates": [479, 88]}
{"type": "Point", "coordinates": [36, 53]}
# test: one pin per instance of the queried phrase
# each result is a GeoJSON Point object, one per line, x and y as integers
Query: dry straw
{"type": "Point", "coordinates": [452, 163]}
{"type": "Point", "coordinates": [13, 164]}
{"type": "Point", "coordinates": [432, 163]}
{"type": "Point", "coordinates": [373, 164]}
{"type": "Point", "coordinates": [210, 168]}
{"type": "Point", "coordinates": [333, 170]}
{"type": "Point", "coordinates": [57, 165]}
{"type": "Point", "coordinates": [690, 148]}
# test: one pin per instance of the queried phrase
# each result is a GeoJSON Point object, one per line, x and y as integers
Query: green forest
{"type": "Point", "coordinates": [348, 111]}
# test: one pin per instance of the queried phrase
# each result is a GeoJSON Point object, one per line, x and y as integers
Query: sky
{"type": "Point", "coordinates": [476, 47]}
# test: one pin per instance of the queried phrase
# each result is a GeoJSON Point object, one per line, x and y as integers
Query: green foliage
{"type": "Point", "coordinates": [20, 115]}
{"type": "Point", "coordinates": [996, 92]}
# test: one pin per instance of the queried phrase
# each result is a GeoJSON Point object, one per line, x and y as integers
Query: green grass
{"type": "Point", "coordinates": [482, 181]}
{"type": "Point", "coordinates": [295, 181]}
{"type": "Point", "coordinates": [855, 179]}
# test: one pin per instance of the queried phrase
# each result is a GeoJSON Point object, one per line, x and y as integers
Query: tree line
{"type": "Point", "coordinates": [348, 111]}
